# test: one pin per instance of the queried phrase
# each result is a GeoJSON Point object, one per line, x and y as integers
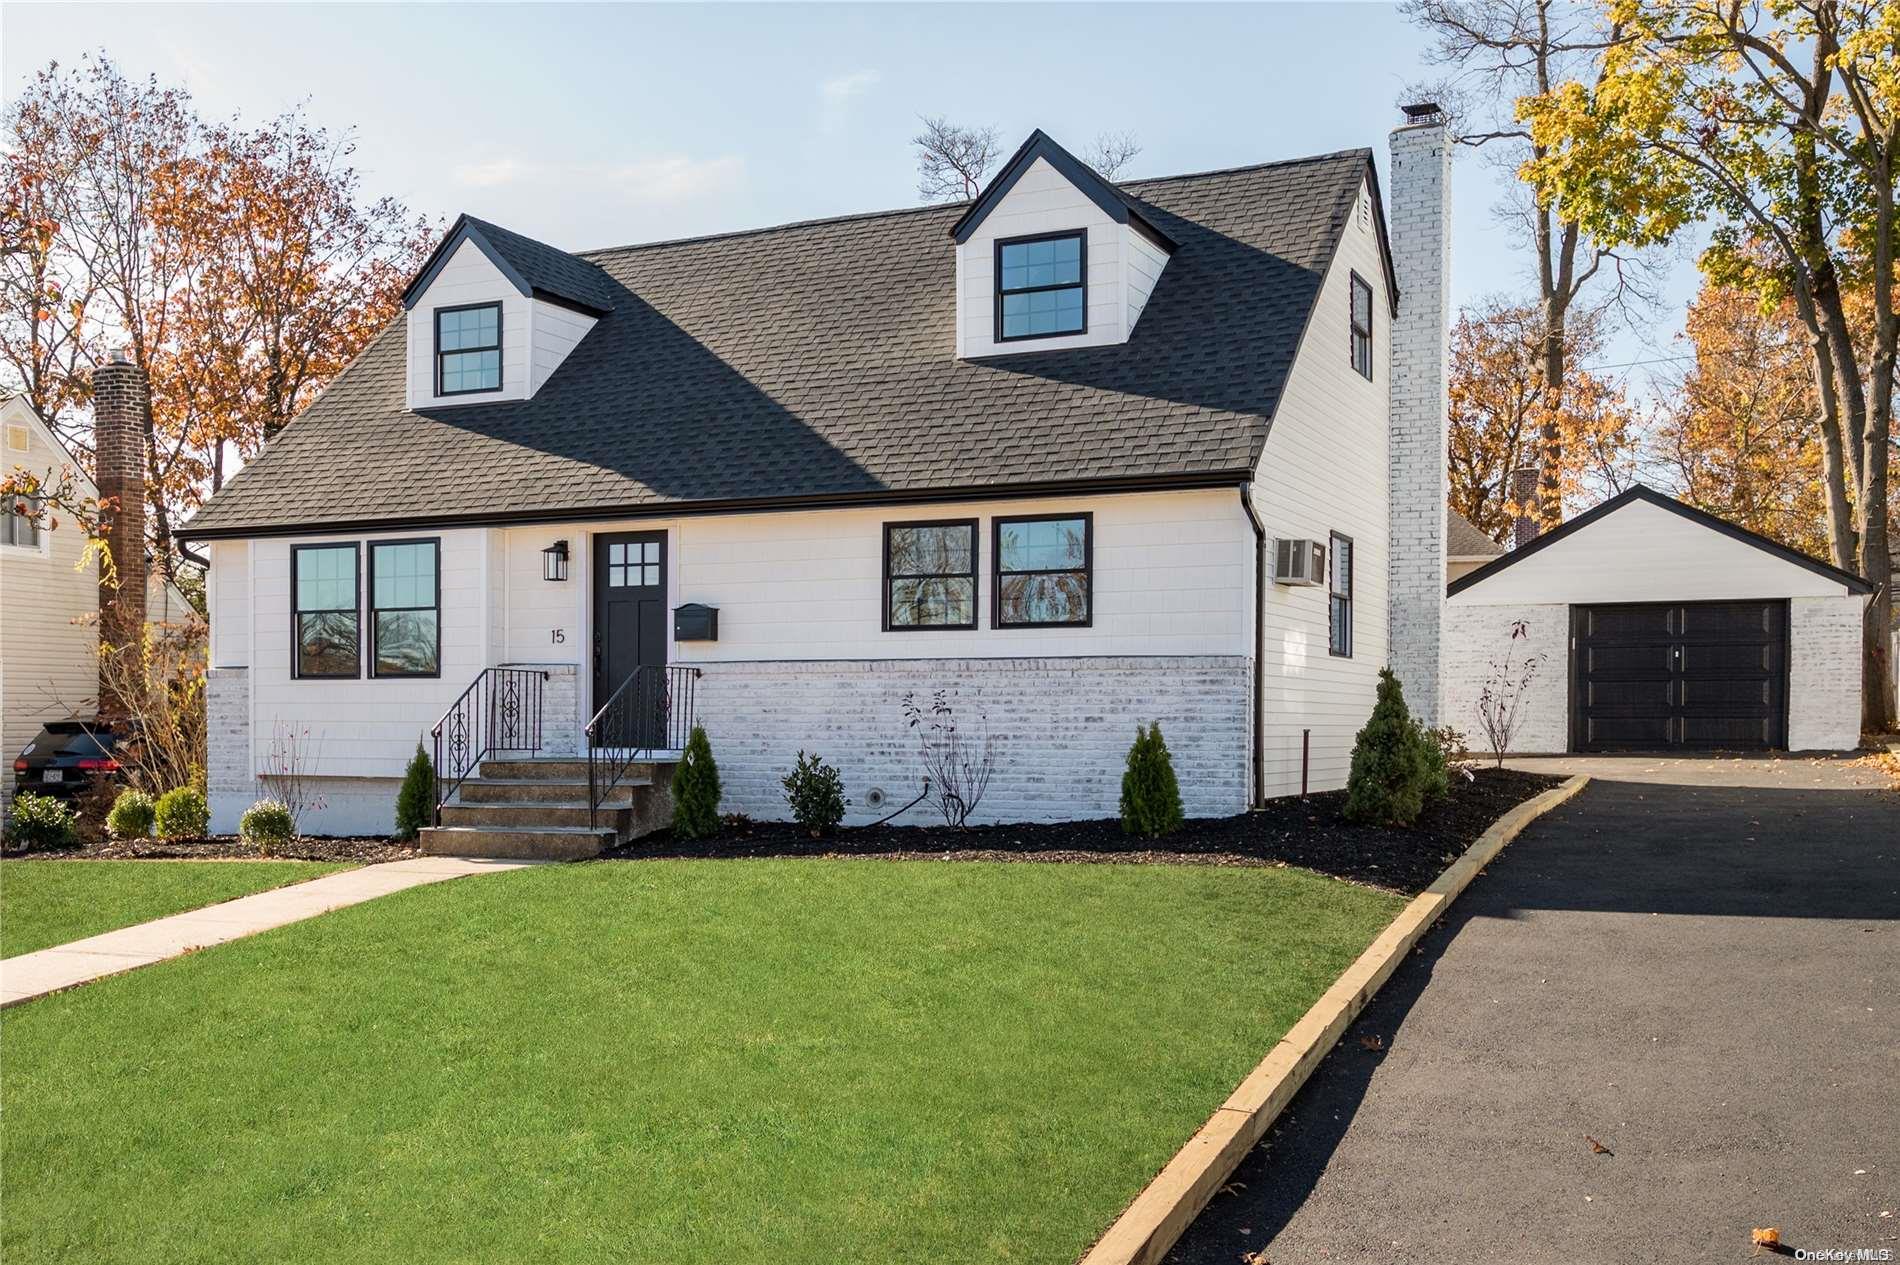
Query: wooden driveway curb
{"type": "Point", "coordinates": [1143, 1233]}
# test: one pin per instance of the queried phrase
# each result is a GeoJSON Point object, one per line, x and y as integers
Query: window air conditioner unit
{"type": "Point", "coordinates": [1299, 562]}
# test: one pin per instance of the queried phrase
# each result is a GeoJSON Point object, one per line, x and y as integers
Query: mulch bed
{"type": "Point", "coordinates": [1310, 833]}
{"type": "Point", "coordinates": [367, 851]}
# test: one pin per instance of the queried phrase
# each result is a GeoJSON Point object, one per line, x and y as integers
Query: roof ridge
{"type": "Point", "coordinates": [818, 221]}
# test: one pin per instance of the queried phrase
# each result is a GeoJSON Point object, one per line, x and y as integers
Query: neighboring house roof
{"type": "Point", "coordinates": [815, 364]}
{"type": "Point", "coordinates": [1465, 540]}
{"type": "Point", "coordinates": [1853, 582]}
{"type": "Point", "coordinates": [533, 268]}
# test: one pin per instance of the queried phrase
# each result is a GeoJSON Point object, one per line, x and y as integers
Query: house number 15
{"type": "Point", "coordinates": [558, 636]}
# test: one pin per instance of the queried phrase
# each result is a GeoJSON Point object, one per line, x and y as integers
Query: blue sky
{"type": "Point", "coordinates": [597, 125]}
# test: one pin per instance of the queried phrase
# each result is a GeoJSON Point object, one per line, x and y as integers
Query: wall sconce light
{"type": "Point", "coordinates": [554, 561]}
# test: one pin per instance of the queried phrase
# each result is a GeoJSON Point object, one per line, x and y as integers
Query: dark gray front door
{"type": "Point", "coordinates": [1703, 675]}
{"type": "Point", "coordinates": [629, 628]}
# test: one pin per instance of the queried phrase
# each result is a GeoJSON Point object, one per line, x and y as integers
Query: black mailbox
{"type": "Point", "coordinates": [694, 622]}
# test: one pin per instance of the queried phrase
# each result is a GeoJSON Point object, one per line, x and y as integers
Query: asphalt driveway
{"type": "Point", "coordinates": [1694, 962]}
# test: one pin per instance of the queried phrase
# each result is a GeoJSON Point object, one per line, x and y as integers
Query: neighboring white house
{"type": "Point", "coordinates": [49, 597]}
{"type": "Point", "coordinates": [1661, 627]}
{"type": "Point", "coordinates": [1466, 546]}
{"type": "Point", "coordinates": [1081, 455]}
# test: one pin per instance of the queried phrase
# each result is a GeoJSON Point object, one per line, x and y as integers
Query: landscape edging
{"type": "Point", "coordinates": [1158, 1215]}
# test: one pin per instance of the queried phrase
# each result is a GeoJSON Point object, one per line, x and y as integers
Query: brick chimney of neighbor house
{"type": "Point", "coordinates": [1524, 526]}
{"type": "Point", "coordinates": [118, 420]}
{"type": "Point", "coordinates": [1420, 227]}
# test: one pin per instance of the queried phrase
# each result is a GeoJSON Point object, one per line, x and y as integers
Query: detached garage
{"type": "Point", "coordinates": [1659, 627]}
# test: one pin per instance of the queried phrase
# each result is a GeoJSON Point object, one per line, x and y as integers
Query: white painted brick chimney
{"type": "Point", "coordinates": [1421, 254]}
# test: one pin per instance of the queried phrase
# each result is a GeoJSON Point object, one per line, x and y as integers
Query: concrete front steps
{"type": "Point", "coordinates": [537, 810]}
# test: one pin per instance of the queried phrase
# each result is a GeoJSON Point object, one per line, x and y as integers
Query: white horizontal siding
{"type": "Point", "coordinates": [1325, 469]}
{"type": "Point", "coordinates": [469, 277]}
{"type": "Point", "coordinates": [363, 727]}
{"type": "Point", "coordinates": [1645, 553]}
{"type": "Point", "coordinates": [1145, 262]}
{"type": "Point", "coordinates": [557, 330]}
{"type": "Point", "coordinates": [228, 601]}
{"type": "Point", "coordinates": [48, 606]}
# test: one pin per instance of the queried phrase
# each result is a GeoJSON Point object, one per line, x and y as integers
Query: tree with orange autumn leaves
{"type": "Point", "coordinates": [1500, 422]}
{"type": "Point", "coordinates": [242, 267]}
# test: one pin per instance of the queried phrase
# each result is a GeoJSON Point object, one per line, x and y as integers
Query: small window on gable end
{"type": "Point", "coordinates": [468, 349]}
{"type": "Point", "coordinates": [1361, 327]}
{"type": "Point", "coordinates": [1041, 286]}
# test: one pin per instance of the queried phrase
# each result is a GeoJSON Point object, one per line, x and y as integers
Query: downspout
{"type": "Point", "coordinates": [1259, 643]}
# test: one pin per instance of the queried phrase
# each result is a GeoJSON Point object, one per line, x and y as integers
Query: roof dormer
{"type": "Point", "coordinates": [1052, 256]}
{"type": "Point", "coordinates": [492, 315]}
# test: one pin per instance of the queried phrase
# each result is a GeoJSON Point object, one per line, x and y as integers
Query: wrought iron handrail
{"type": "Point", "coordinates": [652, 710]}
{"type": "Point", "coordinates": [499, 711]}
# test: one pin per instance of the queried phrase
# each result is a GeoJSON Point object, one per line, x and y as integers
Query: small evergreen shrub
{"type": "Point", "coordinates": [40, 821]}
{"type": "Point", "coordinates": [1151, 797]}
{"type": "Point", "coordinates": [696, 789]}
{"type": "Point", "coordinates": [415, 802]}
{"type": "Point", "coordinates": [1436, 750]}
{"type": "Point", "coordinates": [131, 815]}
{"type": "Point", "coordinates": [267, 824]}
{"type": "Point", "coordinates": [181, 814]}
{"type": "Point", "coordinates": [816, 793]}
{"type": "Point", "coordinates": [1391, 773]}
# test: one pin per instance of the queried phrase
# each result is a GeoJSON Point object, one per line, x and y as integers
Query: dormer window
{"type": "Point", "coordinates": [468, 349]}
{"type": "Point", "coordinates": [1041, 289]}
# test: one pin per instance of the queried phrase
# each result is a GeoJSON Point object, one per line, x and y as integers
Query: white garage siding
{"type": "Point", "coordinates": [1642, 547]}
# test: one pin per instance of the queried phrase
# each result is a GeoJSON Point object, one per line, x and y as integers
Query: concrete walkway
{"type": "Point", "coordinates": [34, 975]}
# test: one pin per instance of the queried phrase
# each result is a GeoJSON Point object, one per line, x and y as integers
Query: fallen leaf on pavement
{"type": "Point", "coordinates": [1770, 1237]}
{"type": "Point", "coordinates": [1372, 1041]}
{"type": "Point", "coordinates": [1596, 1147]}
{"type": "Point", "coordinates": [1255, 1258]}
{"type": "Point", "coordinates": [1232, 1188]}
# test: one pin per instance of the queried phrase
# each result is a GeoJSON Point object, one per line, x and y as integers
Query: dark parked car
{"type": "Point", "coordinates": [64, 758]}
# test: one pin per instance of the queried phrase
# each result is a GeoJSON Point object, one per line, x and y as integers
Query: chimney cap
{"type": "Point", "coordinates": [1421, 111]}
{"type": "Point", "coordinates": [121, 355]}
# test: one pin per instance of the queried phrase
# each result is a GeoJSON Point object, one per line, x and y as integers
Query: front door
{"type": "Point", "coordinates": [629, 634]}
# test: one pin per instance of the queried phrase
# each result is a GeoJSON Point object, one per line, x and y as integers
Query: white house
{"type": "Point", "coordinates": [49, 596]}
{"type": "Point", "coordinates": [1081, 455]}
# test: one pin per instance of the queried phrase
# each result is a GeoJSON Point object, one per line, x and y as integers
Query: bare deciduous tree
{"type": "Point", "coordinates": [1111, 152]}
{"type": "Point", "coordinates": [957, 766]}
{"type": "Point", "coordinates": [952, 159]}
{"type": "Point", "coordinates": [1501, 702]}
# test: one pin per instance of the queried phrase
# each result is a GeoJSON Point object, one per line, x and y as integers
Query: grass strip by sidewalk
{"type": "Point", "coordinates": [674, 1061]}
{"type": "Point", "coordinates": [45, 903]}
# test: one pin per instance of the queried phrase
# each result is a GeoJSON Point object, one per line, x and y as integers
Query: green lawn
{"type": "Point", "coordinates": [688, 1061]}
{"type": "Point", "coordinates": [43, 903]}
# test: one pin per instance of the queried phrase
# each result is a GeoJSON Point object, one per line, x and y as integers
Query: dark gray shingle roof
{"type": "Point", "coordinates": [1464, 539]}
{"type": "Point", "coordinates": [817, 362]}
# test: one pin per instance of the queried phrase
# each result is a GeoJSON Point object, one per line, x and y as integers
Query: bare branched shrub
{"type": "Point", "coordinates": [287, 776]}
{"type": "Point", "coordinates": [957, 765]}
{"type": "Point", "coordinates": [160, 686]}
{"type": "Point", "coordinates": [1501, 703]}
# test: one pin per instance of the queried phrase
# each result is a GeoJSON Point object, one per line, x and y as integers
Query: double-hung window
{"type": "Point", "coordinates": [324, 611]}
{"type": "Point", "coordinates": [1339, 596]}
{"type": "Point", "coordinates": [1041, 286]}
{"type": "Point", "coordinates": [930, 575]}
{"type": "Point", "coordinates": [468, 349]}
{"type": "Point", "coordinates": [17, 526]}
{"type": "Point", "coordinates": [1361, 327]}
{"type": "Point", "coordinates": [1044, 571]}
{"type": "Point", "coordinates": [405, 608]}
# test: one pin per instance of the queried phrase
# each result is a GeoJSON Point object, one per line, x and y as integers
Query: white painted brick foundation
{"type": "Point", "coordinates": [230, 782]}
{"type": "Point", "coordinates": [1421, 256]}
{"type": "Point", "coordinates": [1475, 636]}
{"type": "Point", "coordinates": [1824, 673]}
{"type": "Point", "coordinates": [1063, 728]}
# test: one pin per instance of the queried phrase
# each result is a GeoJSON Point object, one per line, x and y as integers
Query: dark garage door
{"type": "Point", "coordinates": [1704, 675]}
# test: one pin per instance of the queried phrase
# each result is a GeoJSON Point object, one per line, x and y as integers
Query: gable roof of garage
{"type": "Point", "coordinates": [1701, 518]}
